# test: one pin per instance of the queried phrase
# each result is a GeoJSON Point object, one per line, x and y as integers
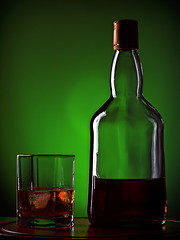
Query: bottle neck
{"type": "Point", "coordinates": [126, 74]}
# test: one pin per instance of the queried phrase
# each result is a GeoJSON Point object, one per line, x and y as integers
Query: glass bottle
{"type": "Point", "coordinates": [127, 166]}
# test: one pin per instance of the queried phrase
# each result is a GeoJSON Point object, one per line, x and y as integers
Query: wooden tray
{"type": "Point", "coordinates": [83, 230]}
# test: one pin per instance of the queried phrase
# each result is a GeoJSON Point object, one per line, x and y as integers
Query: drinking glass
{"type": "Point", "coordinates": [45, 190]}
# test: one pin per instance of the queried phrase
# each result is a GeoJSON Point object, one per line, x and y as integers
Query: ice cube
{"type": "Point", "coordinates": [64, 196]}
{"type": "Point", "coordinates": [39, 200]}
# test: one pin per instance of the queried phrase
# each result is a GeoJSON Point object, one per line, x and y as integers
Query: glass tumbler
{"type": "Point", "coordinates": [45, 190]}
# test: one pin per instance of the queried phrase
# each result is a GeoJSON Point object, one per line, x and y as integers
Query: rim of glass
{"type": "Point", "coordinates": [45, 155]}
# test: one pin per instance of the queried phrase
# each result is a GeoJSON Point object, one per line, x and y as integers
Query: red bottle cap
{"type": "Point", "coordinates": [125, 34]}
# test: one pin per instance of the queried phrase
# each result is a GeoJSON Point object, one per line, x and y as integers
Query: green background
{"type": "Point", "coordinates": [55, 59]}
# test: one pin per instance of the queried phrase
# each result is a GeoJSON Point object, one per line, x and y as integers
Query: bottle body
{"type": "Point", "coordinates": [127, 168]}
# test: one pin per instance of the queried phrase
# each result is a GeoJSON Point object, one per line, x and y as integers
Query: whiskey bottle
{"type": "Point", "coordinates": [127, 166]}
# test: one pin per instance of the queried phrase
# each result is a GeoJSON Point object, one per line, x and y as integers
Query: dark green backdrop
{"type": "Point", "coordinates": [55, 59]}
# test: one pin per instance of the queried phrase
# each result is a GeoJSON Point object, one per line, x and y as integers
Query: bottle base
{"type": "Point", "coordinates": [127, 222]}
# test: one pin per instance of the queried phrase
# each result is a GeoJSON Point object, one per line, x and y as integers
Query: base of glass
{"type": "Point", "coordinates": [50, 222]}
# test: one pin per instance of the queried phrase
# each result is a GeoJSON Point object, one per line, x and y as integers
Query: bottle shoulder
{"type": "Point", "coordinates": [102, 109]}
{"type": "Point", "coordinates": [130, 109]}
{"type": "Point", "coordinates": [151, 111]}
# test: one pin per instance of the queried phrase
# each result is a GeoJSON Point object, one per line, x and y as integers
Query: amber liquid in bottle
{"type": "Point", "coordinates": [118, 201]}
